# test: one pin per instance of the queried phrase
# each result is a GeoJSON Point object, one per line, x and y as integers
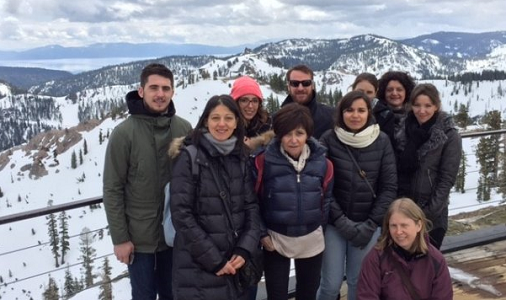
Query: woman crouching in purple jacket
{"type": "Point", "coordinates": [404, 265]}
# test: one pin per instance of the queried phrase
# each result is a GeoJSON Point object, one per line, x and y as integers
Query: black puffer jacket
{"type": "Point", "coordinates": [321, 113]}
{"type": "Point", "coordinates": [385, 118]}
{"type": "Point", "coordinates": [204, 239]}
{"type": "Point", "coordinates": [294, 204]}
{"type": "Point", "coordinates": [354, 198]}
{"type": "Point", "coordinates": [439, 160]}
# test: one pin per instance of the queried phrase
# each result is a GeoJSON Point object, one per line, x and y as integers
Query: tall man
{"type": "Point", "coordinates": [136, 170]}
{"type": "Point", "coordinates": [301, 89]}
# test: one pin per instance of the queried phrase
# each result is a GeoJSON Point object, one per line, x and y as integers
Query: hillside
{"type": "Point", "coordinates": [24, 78]}
{"type": "Point", "coordinates": [43, 128]}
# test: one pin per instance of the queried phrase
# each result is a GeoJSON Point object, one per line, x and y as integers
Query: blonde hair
{"type": "Point", "coordinates": [410, 209]}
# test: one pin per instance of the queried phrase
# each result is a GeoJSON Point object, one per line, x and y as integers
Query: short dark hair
{"type": "Point", "coordinates": [211, 104]}
{"type": "Point", "coordinates": [301, 68]}
{"type": "Point", "coordinates": [404, 78]}
{"type": "Point", "coordinates": [346, 102]}
{"type": "Point", "coordinates": [292, 116]}
{"type": "Point", "coordinates": [428, 90]}
{"type": "Point", "coordinates": [371, 78]}
{"type": "Point", "coordinates": [156, 69]}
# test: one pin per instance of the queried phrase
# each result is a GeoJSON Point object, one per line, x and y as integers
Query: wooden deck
{"type": "Point", "coordinates": [485, 267]}
{"type": "Point", "coordinates": [480, 254]}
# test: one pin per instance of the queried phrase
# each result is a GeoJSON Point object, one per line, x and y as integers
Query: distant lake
{"type": "Point", "coordinates": [73, 65]}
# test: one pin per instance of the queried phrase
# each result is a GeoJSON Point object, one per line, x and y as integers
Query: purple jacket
{"type": "Point", "coordinates": [428, 273]}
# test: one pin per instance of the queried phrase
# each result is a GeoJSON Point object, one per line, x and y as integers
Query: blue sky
{"type": "Point", "coordinates": [34, 23]}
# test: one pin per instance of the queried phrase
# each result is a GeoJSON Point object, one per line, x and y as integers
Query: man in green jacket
{"type": "Point", "coordinates": [136, 170]}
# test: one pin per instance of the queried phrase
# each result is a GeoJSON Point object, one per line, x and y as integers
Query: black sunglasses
{"type": "Point", "coordinates": [305, 83]}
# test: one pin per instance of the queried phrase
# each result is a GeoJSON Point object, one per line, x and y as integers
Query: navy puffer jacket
{"type": "Point", "coordinates": [294, 204]}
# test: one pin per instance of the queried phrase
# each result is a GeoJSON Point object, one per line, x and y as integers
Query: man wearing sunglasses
{"type": "Point", "coordinates": [301, 90]}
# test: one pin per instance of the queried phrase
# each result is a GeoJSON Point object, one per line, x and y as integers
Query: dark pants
{"type": "Point", "coordinates": [252, 292]}
{"type": "Point", "coordinates": [151, 274]}
{"type": "Point", "coordinates": [277, 273]}
{"type": "Point", "coordinates": [436, 237]}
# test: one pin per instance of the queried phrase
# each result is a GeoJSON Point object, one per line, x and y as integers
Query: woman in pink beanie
{"type": "Point", "coordinates": [246, 92]}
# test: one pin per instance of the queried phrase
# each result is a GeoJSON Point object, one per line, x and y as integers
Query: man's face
{"type": "Point", "coordinates": [298, 87]}
{"type": "Point", "coordinates": [157, 93]}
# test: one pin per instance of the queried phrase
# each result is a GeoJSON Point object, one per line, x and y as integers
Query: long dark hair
{"type": "Point", "coordinates": [257, 122]}
{"type": "Point", "coordinates": [211, 104]}
{"type": "Point", "coordinates": [371, 78]}
{"type": "Point", "coordinates": [346, 102]}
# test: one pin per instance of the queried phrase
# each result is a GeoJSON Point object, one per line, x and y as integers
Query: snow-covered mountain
{"type": "Point", "coordinates": [81, 112]}
{"type": "Point", "coordinates": [458, 44]}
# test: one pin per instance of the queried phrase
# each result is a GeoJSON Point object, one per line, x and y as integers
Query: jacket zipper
{"type": "Point", "coordinates": [299, 208]}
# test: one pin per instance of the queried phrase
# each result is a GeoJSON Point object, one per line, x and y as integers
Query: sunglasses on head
{"type": "Point", "coordinates": [305, 83]}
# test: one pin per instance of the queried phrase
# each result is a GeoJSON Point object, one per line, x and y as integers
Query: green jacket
{"type": "Point", "coordinates": [136, 170]}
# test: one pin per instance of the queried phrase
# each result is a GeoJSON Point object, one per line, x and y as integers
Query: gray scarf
{"type": "Point", "coordinates": [224, 147]}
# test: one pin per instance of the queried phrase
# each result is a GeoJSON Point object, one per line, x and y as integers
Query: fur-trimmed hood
{"type": "Point", "coordinates": [261, 141]}
{"type": "Point", "coordinates": [175, 147]}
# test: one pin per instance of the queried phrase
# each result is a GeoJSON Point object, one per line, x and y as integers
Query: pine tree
{"type": "Point", "coordinates": [272, 104]}
{"type": "Point", "coordinates": [1, 193]}
{"type": "Point", "coordinates": [87, 255]}
{"type": "Point", "coordinates": [462, 117]}
{"type": "Point", "coordinates": [100, 137]}
{"type": "Point", "coordinates": [64, 235]}
{"type": "Point", "coordinates": [460, 181]}
{"type": "Point", "coordinates": [502, 175]}
{"type": "Point", "coordinates": [73, 160]}
{"type": "Point", "coordinates": [69, 286]}
{"type": "Point", "coordinates": [78, 284]}
{"type": "Point", "coordinates": [52, 229]}
{"type": "Point", "coordinates": [52, 292]}
{"type": "Point", "coordinates": [487, 155]}
{"type": "Point", "coordinates": [106, 286]}
{"type": "Point", "coordinates": [85, 147]}
{"type": "Point", "coordinates": [80, 157]}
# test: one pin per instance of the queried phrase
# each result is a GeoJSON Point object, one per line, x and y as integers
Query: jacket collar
{"type": "Point", "coordinates": [312, 104]}
{"type": "Point", "coordinates": [136, 106]}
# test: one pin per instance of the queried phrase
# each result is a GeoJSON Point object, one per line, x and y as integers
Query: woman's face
{"type": "Point", "coordinates": [367, 88]}
{"type": "Point", "coordinates": [403, 230]}
{"type": "Point", "coordinates": [294, 141]}
{"type": "Point", "coordinates": [249, 105]}
{"type": "Point", "coordinates": [221, 123]}
{"type": "Point", "coordinates": [423, 108]}
{"type": "Point", "coordinates": [355, 116]}
{"type": "Point", "coordinates": [395, 94]}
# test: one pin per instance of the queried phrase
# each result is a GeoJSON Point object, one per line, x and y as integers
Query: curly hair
{"type": "Point", "coordinates": [404, 78]}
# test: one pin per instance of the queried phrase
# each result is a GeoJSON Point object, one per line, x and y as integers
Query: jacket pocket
{"type": "Point", "coordinates": [143, 222]}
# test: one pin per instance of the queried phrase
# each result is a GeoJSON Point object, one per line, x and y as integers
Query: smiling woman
{"type": "Point", "coordinates": [404, 248]}
{"type": "Point", "coordinates": [361, 155]}
{"type": "Point", "coordinates": [429, 161]}
{"type": "Point", "coordinates": [216, 216]}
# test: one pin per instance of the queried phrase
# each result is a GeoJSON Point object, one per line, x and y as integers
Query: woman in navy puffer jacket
{"type": "Point", "coordinates": [293, 204]}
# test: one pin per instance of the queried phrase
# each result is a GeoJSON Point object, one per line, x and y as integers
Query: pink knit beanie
{"type": "Point", "coordinates": [245, 85]}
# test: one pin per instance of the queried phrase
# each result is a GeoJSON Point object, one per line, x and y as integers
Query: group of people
{"type": "Point", "coordinates": [357, 191]}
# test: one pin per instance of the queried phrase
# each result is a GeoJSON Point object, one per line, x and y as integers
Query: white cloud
{"type": "Point", "coordinates": [33, 23]}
